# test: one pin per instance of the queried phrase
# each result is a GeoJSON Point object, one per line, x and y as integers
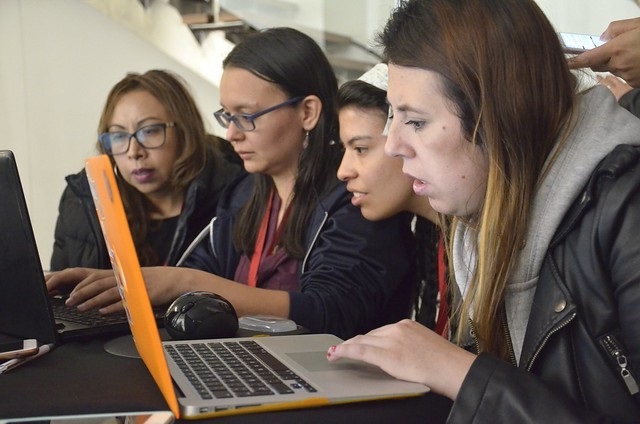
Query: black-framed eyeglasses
{"type": "Point", "coordinates": [150, 137]}
{"type": "Point", "coordinates": [245, 121]}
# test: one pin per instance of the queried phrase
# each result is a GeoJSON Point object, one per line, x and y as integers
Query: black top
{"type": "Point", "coordinates": [78, 237]}
{"type": "Point", "coordinates": [160, 235]}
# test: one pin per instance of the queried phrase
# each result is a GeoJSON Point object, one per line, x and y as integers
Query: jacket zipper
{"type": "Point", "coordinates": [546, 339]}
{"type": "Point", "coordinates": [613, 349]}
{"type": "Point", "coordinates": [507, 335]}
{"type": "Point", "coordinates": [474, 339]}
{"type": "Point", "coordinates": [313, 242]}
{"type": "Point", "coordinates": [505, 328]}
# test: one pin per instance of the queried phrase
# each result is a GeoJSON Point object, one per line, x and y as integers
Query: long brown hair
{"type": "Point", "coordinates": [503, 69]}
{"type": "Point", "coordinates": [172, 92]}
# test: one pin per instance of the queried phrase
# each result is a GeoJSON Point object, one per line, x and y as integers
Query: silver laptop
{"type": "Point", "coordinates": [207, 378]}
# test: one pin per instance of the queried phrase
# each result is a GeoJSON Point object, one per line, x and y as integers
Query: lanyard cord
{"type": "Point", "coordinates": [443, 308]}
{"type": "Point", "coordinates": [259, 250]}
{"type": "Point", "coordinates": [259, 247]}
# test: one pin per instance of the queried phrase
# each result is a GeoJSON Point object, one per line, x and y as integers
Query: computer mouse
{"type": "Point", "coordinates": [201, 315]}
{"type": "Point", "coordinates": [266, 324]}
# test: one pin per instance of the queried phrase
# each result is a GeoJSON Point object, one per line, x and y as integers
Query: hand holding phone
{"type": "Point", "coordinates": [18, 349]}
{"type": "Point", "coordinates": [578, 43]}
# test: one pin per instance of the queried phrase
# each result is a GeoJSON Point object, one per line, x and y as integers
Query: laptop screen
{"type": "Point", "coordinates": [24, 307]}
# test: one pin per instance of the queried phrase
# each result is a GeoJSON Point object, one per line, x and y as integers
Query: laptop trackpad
{"type": "Point", "coordinates": [317, 361]}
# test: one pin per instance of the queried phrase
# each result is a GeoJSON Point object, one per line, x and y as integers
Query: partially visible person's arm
{"type": "Point", "coordinates": [66, 280]}
{"type": "Point", "coordinates": [410, 351]}
{"type": "Point", "coordinates": [618, 87]}
{"type": "Point", "coordinates": [98, 289]}
{"type": "Point", "coordinates": [627, 96]}
{"type": "Point", "coordinates": [59, 256]}
{"type": "Point", "coordinates": [78, 240]}
{"type": "Point", "coordinates": [620, 55]}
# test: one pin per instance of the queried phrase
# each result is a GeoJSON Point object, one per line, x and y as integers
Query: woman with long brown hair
{"type": "Point", "coordinates": [170, 172]}
{"type": "Point", "coordinates": [542, 185]}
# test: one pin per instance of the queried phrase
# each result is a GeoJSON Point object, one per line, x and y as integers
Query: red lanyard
{"type": "Point", "coordinates": [259, 247]}
{"type": "Point", "coordinates": [258, 251]}
{"type": "Point", "coordinates": [443, 309]}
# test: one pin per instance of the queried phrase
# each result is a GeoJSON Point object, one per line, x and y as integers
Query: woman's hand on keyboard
{"type": "Point", "coordinates": [92, 288]}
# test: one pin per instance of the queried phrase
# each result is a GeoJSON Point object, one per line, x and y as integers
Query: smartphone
{"type": "Point", "coordinates": [578, 43]}
{"type": "Point", "coordinates": [147, 417]}
{"type": "Point", "coordinates": [18, 348]}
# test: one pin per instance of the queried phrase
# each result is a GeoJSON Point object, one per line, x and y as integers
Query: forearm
{"type": "Point", "coordinates": [245, 300]}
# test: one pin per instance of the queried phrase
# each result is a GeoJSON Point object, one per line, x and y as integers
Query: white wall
{"type": "Point", "coordinates": [587, 16]}
{"type": "Point", "coordinates": [59, 58]}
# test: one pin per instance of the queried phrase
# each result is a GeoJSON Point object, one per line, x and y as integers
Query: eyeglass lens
{"type": "Point", "coordinates": [245, 122]}
{"type": "Point", "coordinates": [149, 137]}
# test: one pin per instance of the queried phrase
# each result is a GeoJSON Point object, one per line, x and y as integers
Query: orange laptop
{"type": "Point", "coordinates": [207, 378]}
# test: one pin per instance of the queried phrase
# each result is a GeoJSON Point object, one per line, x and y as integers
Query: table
{"type": "Point", "coordinates": [82, 377]}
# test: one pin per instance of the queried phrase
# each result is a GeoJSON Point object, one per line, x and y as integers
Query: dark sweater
{"type": "Point", "coordinates": [78, 238]}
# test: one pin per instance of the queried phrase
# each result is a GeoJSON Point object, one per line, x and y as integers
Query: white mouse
{"type": "Point", "coordinates": [266, 323]}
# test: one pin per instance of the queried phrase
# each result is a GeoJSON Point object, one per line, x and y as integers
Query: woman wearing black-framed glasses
{"type": "Point", "coordinates": [170, 173]}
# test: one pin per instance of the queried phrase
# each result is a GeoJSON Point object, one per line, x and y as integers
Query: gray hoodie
{"type": "Point", "coordinates": [601, 124]}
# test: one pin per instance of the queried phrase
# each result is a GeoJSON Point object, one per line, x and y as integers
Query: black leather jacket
{"type": "Point", "coordinates": [78, 238]}
{"type": "Point", "coordinates": [631, 101]}
{"type": "Point", "coordinates": [584, 330]}
{"type": "Point", "coordinates": [356, 275]}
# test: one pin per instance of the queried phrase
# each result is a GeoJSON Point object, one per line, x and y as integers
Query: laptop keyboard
{"type": "Point", "coordinates": [90, 318]}
{"type": "Point", "coordinates": [234, 369]}
{"type": "Point", "coordinates": [93, 318]}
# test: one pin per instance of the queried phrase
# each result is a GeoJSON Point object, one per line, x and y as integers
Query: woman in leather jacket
{"type": "Point", "coordinates": [170, 190]}
{"type": "Point", "coordinates": [542, 185]}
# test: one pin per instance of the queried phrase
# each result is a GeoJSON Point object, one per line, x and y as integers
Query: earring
{"type": "Point", "coordinates": [305, 142]}
{"type": "Point", "coordinates": [115, 170]}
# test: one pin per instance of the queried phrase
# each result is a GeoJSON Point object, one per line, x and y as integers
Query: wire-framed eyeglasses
{"type": "Point", "coordinates": [150, 137]}
{"type": "Point", "coordinates": [245, 121]}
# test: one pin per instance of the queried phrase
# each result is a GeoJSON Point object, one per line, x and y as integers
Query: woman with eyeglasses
{"type": "Point", "coordinates": [286, 240]}
{"type": "Point", "coordinates": [170, 172]}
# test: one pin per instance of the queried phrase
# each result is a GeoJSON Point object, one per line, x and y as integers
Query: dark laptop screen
{"type": "Point", "coordinates": [24, 310]}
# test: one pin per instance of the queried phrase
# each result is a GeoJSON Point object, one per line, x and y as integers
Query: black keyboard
{"type": "Point", "coordinates": [234, 369]}
{"type": "Point", "coordinates": [94, 318]}
{"type": "Point", "coordinates": [89, 318]}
